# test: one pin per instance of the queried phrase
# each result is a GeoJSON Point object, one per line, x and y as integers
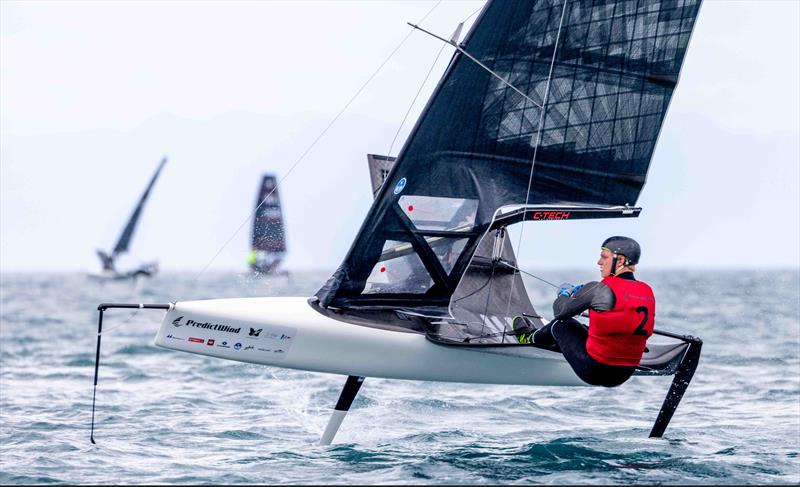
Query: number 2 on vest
{"type": "Point", "coordinates": [640, 329]}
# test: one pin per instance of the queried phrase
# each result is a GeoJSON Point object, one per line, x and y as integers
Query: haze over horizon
{"type": "Point", "coordinates": [92, 95]}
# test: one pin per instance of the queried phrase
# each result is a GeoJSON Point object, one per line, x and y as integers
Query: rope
{"type": "Point", "coordinates": [539, 131]}
{"type": "Point", "coordinates": [389, 152]}
{"type": "Point", "coordinates": [303, 155]}
{"type": "Point", "coordinates": [526, 273]}
{"type": "Point", "coordinates": [135, 312]}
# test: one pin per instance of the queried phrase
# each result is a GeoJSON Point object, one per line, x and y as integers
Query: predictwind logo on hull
{"type": "Point", "coordinates": [207, 325]}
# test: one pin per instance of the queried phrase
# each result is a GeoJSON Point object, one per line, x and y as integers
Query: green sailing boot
{"type": "Point", "coordinates": [523, 329]}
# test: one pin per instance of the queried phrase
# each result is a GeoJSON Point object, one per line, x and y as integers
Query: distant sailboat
{"type": "Point", "coordinates": [108, 262]}
{"type": "Point", "coordinates": [267, 243]}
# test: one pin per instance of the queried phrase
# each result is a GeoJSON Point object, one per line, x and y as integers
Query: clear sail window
{"type": "Point", "coordinates": [399, 270]}
{"type": "Point", "coordinates": [438, 213]}
{"type": "Point", "coordinates": [448, 250]}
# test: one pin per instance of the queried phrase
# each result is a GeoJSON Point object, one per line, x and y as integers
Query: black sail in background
{"type": "Point", "coordinates": [268, 234]}
{"type": "Point", "coordinates": [615, 66]}
{"type": "Point", "coordinates": [127, 233]}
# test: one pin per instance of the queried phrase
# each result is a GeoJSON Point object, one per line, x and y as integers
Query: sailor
{"type": "Point", "coordinates": [107, 261]}
{"type": "Point", "coordinates": [621, 317]}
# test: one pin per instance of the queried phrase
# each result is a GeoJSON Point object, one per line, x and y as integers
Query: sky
{"type": "Point", "coordinates": [94, 94]}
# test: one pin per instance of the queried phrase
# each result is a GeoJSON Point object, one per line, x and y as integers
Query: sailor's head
{"type": "Point", "coordinates": [618, 255]}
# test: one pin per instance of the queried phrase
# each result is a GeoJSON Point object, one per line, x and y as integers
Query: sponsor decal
{"type": "Point", "coordinates": [254, 332]}
{"type": "Point", "coordinates": [210, 342]}
{"type": "Point", "coordinates": [280, 350]}
{"type": "Point", "coordinates": [400, 186]}
{"type": "Point", "coordinates": [173, 337]}
{"type": "Point", "coordinates": [264, 349]}
{"type": "Point", "coordinates": [550, 215]}
{"type": "Point", "coordinates": [634, 296]}
{"type": "Point", "coordinates": [223, 345]}
{"type": "Point", "coordinates": [285, 337]}
{"type": "Point", "coordinates": [207, 325]}
{"type": "Point", "coordinates": [237, 346]}
{"type": "Point", "coordinates": [177, 321]}
{"type": "Point", "coordinates": [196, 340]}
{"type": "Point", "coordinates": [249, 347]}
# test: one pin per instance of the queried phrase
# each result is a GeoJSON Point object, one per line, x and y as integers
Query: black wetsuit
{"type": "Point", "coordinates": [570, 335]}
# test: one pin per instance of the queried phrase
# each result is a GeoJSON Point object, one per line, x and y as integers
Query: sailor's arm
{"type": "Point", "coordinates": [594, 295]}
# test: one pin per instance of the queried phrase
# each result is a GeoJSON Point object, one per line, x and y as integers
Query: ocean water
{"type": "Point", "coordinates": [172, 417]}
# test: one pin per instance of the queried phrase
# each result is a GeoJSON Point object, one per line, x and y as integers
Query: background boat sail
{"type": "Point", "coordinates": [108, 262]}
{"type": "Point", "coordinates": [267, 239]}
{"type": "Point", "coordinates": [550, 110]}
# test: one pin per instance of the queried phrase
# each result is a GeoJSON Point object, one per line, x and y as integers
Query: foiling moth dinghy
{"type": "Point", "coordinates": [548, 112]}
{"type": "Point", "coordinates": [108, 261]}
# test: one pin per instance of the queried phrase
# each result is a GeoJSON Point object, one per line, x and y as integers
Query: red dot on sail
{"type": "Point", "coordinates": [383, 269]}
{"type": "Point", "coordinates": [410, 207]}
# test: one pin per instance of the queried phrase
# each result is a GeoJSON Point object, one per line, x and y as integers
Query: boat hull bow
{"type": "Point", "coordinates": [289, 333]}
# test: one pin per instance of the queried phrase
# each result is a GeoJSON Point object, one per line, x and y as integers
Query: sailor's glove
{"type": "Point", "coordinates": [566, 289]}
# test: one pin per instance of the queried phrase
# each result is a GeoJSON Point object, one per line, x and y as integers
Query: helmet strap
{"type": "Point", "coordinates": [614, 265]}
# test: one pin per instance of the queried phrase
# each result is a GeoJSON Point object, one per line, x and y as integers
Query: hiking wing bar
{"type": "Point", "coordinates": [512, 214]}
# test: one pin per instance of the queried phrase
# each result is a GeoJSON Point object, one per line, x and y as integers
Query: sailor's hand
{"type": "Point", "coordinates": [566, 289]}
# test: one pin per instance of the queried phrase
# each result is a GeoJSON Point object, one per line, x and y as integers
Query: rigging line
{"type": "Point", "coordinates": [488, 297]}
{"type": "Point", "coordinates": [539, 131]}
{"type": "Point", "coordinates": [526, 273]}
{"type": "Point", "coordinates": [473, 13]}
{"type": "Point", "coordinates": [497, 254]}
{"type": "Point", "coordinates": [303, 155]}
{"type": "Point", "coordinates": [135, 312]}
{"type": "Point", "coordinates": [488, 280]}
{"type": "Point", "coordinates": [471, 57]}
{"type": "Point", "coordinates": [389, 153]}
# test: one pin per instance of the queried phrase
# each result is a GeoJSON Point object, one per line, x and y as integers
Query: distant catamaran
{"type": "Point", "coordinates": [108, 261]}
{"type": "Point", "coordinates": [267, 242]}
{"type": "Point", "coordinates": [549, 110]}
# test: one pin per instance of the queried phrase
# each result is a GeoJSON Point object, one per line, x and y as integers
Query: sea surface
{"type": "Point", "coordinates": [172, 417]}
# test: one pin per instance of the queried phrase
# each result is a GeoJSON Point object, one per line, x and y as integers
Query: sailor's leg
{"type": "Point", "coordinates": [346, 398]}
{"type": "Point", "coordinates": [544, 336]}
{"type": "Point", "coordinates": [571, 336]}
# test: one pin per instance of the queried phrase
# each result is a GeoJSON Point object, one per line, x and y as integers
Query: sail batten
{"type": "Point", "coordinates": [602, 73]}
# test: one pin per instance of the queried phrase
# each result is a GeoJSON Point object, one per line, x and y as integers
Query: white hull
{"type": "Point", "coordinates": [293, 335]}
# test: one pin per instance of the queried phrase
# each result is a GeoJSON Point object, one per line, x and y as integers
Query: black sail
{"type": "Point", "coordinates": [267, 239]}
{"type": "Point", "coordinates": [597, 77]}
{"type": "Point", "coordinates": [127, 233]}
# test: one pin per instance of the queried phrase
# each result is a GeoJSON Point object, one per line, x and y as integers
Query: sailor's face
{"type": "Point", "coordinates": [605, 261]}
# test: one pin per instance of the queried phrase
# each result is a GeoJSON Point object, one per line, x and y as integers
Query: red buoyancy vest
{"type": "Point", "coordinates": [618, 336]}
